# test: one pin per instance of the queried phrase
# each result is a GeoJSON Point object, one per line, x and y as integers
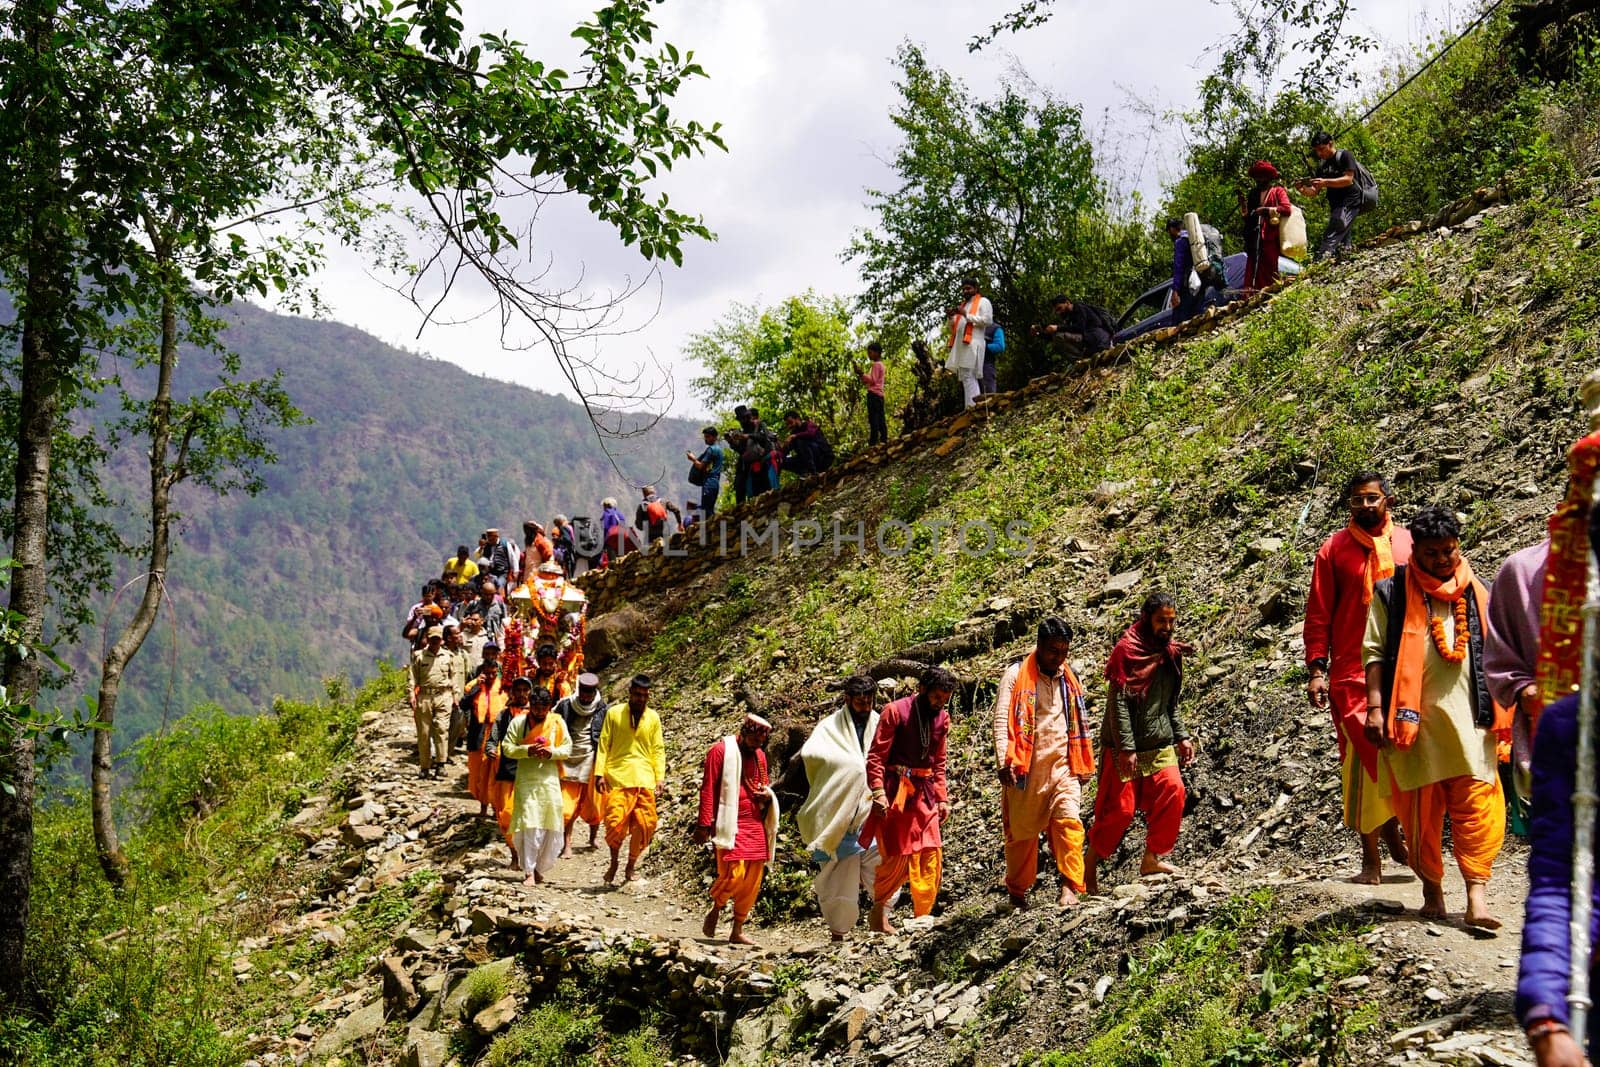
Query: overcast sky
{"type": "Point", "coordinates": [803, 91]}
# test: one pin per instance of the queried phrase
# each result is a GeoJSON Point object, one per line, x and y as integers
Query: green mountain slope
{"type": "Point", "coordinates": [406, 457]}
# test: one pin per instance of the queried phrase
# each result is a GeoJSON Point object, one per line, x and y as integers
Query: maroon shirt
{"type": "Point", "coordinates": [751, 841]}
{"type": "Point", "coordinates": [898, 743]}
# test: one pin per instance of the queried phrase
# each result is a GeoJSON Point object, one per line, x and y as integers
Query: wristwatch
{"type": "Point", "coordinates": [1318, 664]}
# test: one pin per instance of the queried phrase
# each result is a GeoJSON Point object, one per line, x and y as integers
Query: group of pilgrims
{"type": "Point", "coordinates": [1436, 686]}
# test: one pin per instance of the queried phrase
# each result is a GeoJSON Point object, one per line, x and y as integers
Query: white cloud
{"type": "Point", "coordinates": [803, 92]}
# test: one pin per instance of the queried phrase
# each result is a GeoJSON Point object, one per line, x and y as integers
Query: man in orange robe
{"type": "Point", "coordinates": [1430, 712]}
{"type": "Point", "coordinates": [485, 699]}
{"type": "Point", "coordinates": [1347, 566]}
{"type": "Point", "coordinates": [1043, 751]}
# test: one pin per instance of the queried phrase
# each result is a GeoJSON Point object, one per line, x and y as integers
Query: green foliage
{"type": "Point", "coordinates": [1473, 117]}
{"type": "Point", "coordinates": [484, 986]}
{"type": "Point", "coordinates": [1193, 1001]}
{"type": "Point", "coordinates": [562, 1034]}
{"type": "Point", "coordinates": [1005, 189]}
{"type": "Point", "coordinates": [142, 979]}
{"type": "Point", "coordinates": [805, 354]}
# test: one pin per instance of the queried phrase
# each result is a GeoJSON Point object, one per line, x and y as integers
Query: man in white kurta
{"type": "Point", "coordinates": [969, 324]}
{"type": "Point", "coordinates": [837, 804]}
{"type": "Point", "coordinates": [538, 741]}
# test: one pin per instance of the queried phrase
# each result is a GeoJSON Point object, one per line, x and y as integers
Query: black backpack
{"type": "Point", "coordinates": [1366, 185]}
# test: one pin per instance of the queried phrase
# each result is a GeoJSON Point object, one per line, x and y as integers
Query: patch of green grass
{"type": "Point", "coordinates": [1200, 999]}
{"type": "Point", "coordinates": [144, 977]}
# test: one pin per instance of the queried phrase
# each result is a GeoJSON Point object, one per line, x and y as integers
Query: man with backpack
{"type": "Point", "coordinates": [651, 515]}
{"type": "Point", "coordinates": [994, 344]}
{"type": "Point", "coordinates": [1351, 190]}
{"type": "Point", "coordinates": [1081, 329]}
{"type": "Point", "coordinates": [1190, 284]}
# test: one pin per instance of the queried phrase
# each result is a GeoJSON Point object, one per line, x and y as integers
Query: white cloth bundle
{"type": "Point", "coordinates": [836, 766]}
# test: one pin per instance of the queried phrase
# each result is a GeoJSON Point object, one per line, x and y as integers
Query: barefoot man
{"type": "Point", "coordinates": [833, 768]}
{"type": "Point", "coordinates": [1143, 743]}
{"type": "Point", "coordinates": [630, 762]}
{"type": "Point", "coordinates": [1429, 710]}
{"type": "Point", "coordinates": [1347, 567]}
{"type": "Point", "coordinates": [910, 799]}
{"type": "Point", "coordinates": [739, 815]}
{"type": "Point", "coordinates": [537, 742]}
{"type": "Point", "coordinates": [584, 713]}
{"type": "Point", "coordinates": [1042, 748]}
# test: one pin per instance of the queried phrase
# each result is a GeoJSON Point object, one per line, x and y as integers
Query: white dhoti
{"type": "Point", "coordinates": [538, 849]}
{"type": "Point", "coordinates": [839, 886]}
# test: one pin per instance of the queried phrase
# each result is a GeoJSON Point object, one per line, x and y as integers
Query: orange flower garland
{"type": "Point", "coordinates": [1436, 627]}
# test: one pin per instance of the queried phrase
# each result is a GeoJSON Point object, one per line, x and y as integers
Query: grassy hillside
{"type": "Point", "coordinates": [406, 457]}
{"type": "Point", "coordinates": [1181, 463]}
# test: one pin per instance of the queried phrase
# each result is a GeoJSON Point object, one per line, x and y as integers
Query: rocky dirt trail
{"type": "Point", "coordinates": [799, 997]}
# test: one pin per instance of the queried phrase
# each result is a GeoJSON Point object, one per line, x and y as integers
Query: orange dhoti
{"type": "Point", "coordinates": [921, 868]}
{"type": "Point", "coordinates": [1025, 814]}
{"type": "Point", "coordinates": [578, 802]}
{"type": "Point", "coordinates": [630, 814]}
{"type": "Point", "coordinates": [499, 795]}
{"type": "Point", "coordinates": [1477, 813]}
{"type": "Point", "coordinates": [738, 881]}
{"type": "Point", "coordinates": [478, 776]}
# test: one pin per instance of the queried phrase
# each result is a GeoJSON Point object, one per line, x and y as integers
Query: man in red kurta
{"type": "Point", "coordinates": [905, 773]}
{"type": "Point", "coordinates": [739, 814]}
{"type": "Point", "coordinates": [1347, 567]}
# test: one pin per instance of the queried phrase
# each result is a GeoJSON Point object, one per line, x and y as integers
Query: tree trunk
{"type": "Point", "coordinates": [46, 353]}
{"type": "Point", "coordinates": [132, 638]}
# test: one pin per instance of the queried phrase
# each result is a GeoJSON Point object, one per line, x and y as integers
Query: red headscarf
{"type": "Point", "coordinates": [1133, 662]}
{"type": "Point", "coordinates": [1262, 168]}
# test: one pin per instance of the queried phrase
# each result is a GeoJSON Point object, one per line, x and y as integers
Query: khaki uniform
{"type": "Point", "coordinates": [438, 680]}
{"type": "Point", "coordinates": [458, 717]}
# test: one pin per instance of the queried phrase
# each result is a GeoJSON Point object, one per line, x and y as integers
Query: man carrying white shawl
{"type": "Point", "coordinates": [738, 814]}
{"type": "Point", "coordinates": [834, 763]}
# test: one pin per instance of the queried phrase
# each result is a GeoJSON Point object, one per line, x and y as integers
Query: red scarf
{"type": "Point", "coordinates": [1024, 704]}
{"type": "Point", "coordinates": [1132, 664]}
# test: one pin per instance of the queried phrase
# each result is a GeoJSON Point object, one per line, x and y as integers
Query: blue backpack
{"type": "Point", "coordinates": [996, 342]}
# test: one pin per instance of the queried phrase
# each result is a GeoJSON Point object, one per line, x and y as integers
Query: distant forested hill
{"type": "Point", "coordinates": [406, 458]}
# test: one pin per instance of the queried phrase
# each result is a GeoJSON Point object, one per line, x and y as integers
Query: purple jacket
{"type": "Point", "coordinates": [1542, 982]}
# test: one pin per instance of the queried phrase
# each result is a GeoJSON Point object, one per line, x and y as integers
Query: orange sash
{"type": "Point", "coordinates": [1023, 712]}
{"type": "Point", "coordinates": [966, 335]}
{"type": "Point", "coordinates": [1405, 702]}
{"type": "Point", "coordinates": [906, 788]}
{"type": "Point", "coordinates": [1380, 555]}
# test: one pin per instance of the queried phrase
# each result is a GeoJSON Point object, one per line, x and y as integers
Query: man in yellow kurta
{"type": "Point", "coordinates": [538, 741]}
{"type": "Point", "coordinates": [1044, 754]}
{"type": "Point", "coordinates": [1430, 712]}
{"type": "Point", "coordinates": [630, 763]}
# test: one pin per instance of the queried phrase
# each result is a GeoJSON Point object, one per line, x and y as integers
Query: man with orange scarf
{"type": "Point", "coordinates": [1144, 745]}
{"type": "Point", "coordinates": [1042, 748]}
{"type": "Point", "coordinates": [484, 700]}
{"type": "Point", "coordinates": [1430, 711]}
{"type": "Point", "coordinates": [910, 796]}
{"type": "Point", "coordinates": [969, 324]}
{"type": "Point", "coordinates": [1348, 565]}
